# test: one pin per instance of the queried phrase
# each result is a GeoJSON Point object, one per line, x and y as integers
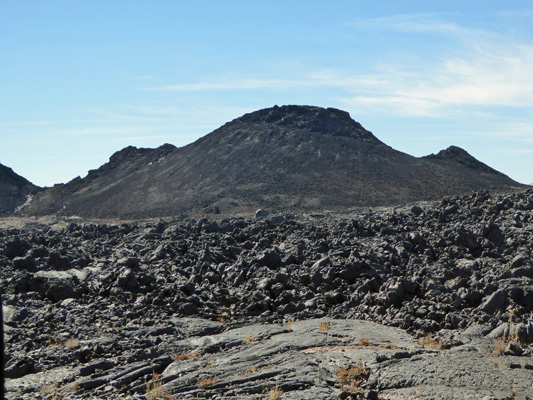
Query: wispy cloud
{"type": "Point", "coordinates": [516, 151]}
{"type": "Point", "coordinates": [483, 71]}
{"type": "Point", "coordinates": [414, 23]}
{"type": "Point", "coordinates": [235, 84]}
{"type": "Point", "coordinates": [525, 13]}
{"type": "Point", "coordinates": [521, 132]}
{"type": "Point", "coordinates": [26, 123]}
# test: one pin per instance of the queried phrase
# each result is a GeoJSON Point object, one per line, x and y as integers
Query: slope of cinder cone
{"type": "Point", "coordinates": [14, 190]}
{"type": "Point", "coordinates": [290, 157]}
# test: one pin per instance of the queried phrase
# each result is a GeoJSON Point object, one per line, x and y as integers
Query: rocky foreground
{"type": "Point", "coordinates": [429, 301]}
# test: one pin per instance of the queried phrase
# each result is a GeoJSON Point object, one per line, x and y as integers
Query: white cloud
{"type": "Point", "coordinates": [26, 123]}
{"type": "Point", "coordinates": [231, 84]}
{"type": "Point", "coordinates": [414, 23]}
{"type": "Point", "coordinates": [489, 74]}
{"type": "Point", "coordinates": [492, 76]}
{"type": "Point", "coordinates": [396, 104]}
{"type": "Point", "coordinates": [482, 74]}
{"type": "Point", "coordinates": [520, 152]}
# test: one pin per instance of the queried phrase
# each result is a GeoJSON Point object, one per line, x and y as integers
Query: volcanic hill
{"type": "Point", "coordinates": [290, 157]}
{"type": "Point", "coordinates": [14, 190]}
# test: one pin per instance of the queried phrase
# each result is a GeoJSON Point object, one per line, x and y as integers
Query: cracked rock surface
{"type": "Point", "coordinates": [427, 301]}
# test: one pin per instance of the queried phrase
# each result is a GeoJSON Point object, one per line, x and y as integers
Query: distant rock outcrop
{"type": "Point", "coordinates": [290, 157]}
{"type": "Point", "coordinates": [14, 190]}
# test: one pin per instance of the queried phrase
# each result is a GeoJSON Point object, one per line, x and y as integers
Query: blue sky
{"type": "Point", "coordinates": [82, 79]}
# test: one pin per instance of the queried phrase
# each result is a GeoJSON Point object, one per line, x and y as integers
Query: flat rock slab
{"type": "Point", "coordinates": [302, 359]}
{"type": "Point", "coordinates": [454, 376]}
{"type": "Point", "coordinates": [47, 382]}
{"type": "Point", "coordinates": [304, 362]}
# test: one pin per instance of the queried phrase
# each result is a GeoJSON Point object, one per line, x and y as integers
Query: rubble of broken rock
{"type": "Point", "coordinates": [432, 300]}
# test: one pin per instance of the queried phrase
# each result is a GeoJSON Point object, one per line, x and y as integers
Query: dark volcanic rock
{"type": "Point", "coordinates": [426, 297]}
{"type": "Point", "coordinates": [14, 190]}
{"type": "Point", "coordinates": [281, 158]}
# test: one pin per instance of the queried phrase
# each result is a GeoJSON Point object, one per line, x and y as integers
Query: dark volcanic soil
{"type": "Point", "coordinates": [320, 306]}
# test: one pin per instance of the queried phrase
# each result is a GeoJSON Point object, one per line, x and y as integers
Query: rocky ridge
{"type": "Point", "coordinates": [430, 300]}
{"type": "Point", "coordinates": [14, 190]}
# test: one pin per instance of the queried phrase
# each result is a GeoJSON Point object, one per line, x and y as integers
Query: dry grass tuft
{"type": "Point", "coordinates": [184, 355]}
{"type": "Point", "coordinates": [352, 378]}
{"type": "Point", "coordinates": [289, 325]}
{"type": "Point", "coordinates": [224, 318]}
{"type": "Point", "coordinates": [364, 342]}
{"type": "Point", "coordinates": [431, 342]}
{"type": "Point", "coordinates": [389, 345]}
{"type": "Point", "coordinates": [207, 382]}
{"type": "Point", "coordinates": [154, 388]}
{"type": "Point", "coordinates": [49, 389]}
{"type": "Point", "coordinates": [324, 326]}
{"type": "Point", "coordinates": [253, 370]}
{"type": "Point", "coordinates": [250, 370]}
{"type": "Point", "coordinates": [74, 388]}
{"type": "Point", "coordinates": [249, 339]}
{"type": "Point", "coordinates": [513, 330]}
{"type": "Point", "coordinates": [499, 364]}
{"type": "Point", "coordinates": [275, 393]}
{"type": "Point", "coordinates": [500, 344]}
{"type": "Point", "coordinates": [53, 342]}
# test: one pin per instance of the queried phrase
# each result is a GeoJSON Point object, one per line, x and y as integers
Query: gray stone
{"type": "Point", "coordinates": [261, 213]}
{"type": "Point", "coordinates": [494, 302]}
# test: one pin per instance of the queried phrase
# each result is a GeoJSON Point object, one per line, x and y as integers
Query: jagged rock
{"type": "Point", "coordinates": [261, 213]}
{"type": "Point", "coordinates": [494, 302]}
{"type": "Point", "coordinates": [101, 307]}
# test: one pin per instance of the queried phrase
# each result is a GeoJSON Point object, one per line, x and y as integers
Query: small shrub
{"type": "Point", "coordinates": [500, 344]}
{"type": "Point", "coordinates": [207, 382]}
{"type": "Point", "coordinates": [352, 378]}
{"type": "Point", "coordinates": [154, 388]}
{"type": "Point", "coordinates": [275, 393]}
{"type": "Point", "coordinates": [364, 342]}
